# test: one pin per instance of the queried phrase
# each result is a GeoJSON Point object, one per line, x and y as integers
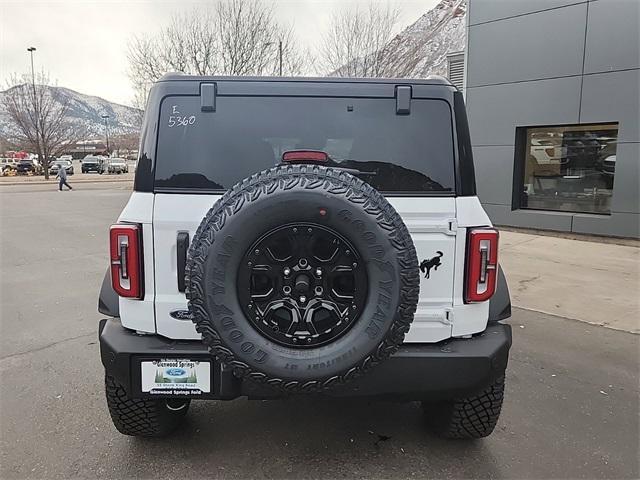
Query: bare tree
{"type": "Point", "coordinates": [40, 118]}
{"type": "Point", "coordinates": [354, 44]}
{"type": "Point", "coordinates": [250, 39]}
{"type": "Point", "coordinates": [237, 37]}
{"type": "Point", "coordinates": [124, 142]}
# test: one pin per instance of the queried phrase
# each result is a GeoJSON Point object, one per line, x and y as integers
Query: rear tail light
{"type": "Point", "coordinates": [305, 156]}
{"type": "Point", "coordinates": [482, 264]}
{"type": "Point", "coordinates": [125, 245]}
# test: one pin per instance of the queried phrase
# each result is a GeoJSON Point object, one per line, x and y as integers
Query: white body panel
{"type": "Point", "coordinates": [173, 214]}
{"type": "Point", "coordinates": [467, 318]}
{"type": "Point", "coordinates": [431, 222]}
{"type": "Point", "coordinates": [435, 224]}
{"type": "Point", "coordinates": [139, 314]}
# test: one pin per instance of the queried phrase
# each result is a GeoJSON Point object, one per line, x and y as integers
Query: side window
{"type": "Point", "coordinates": [395, 153]}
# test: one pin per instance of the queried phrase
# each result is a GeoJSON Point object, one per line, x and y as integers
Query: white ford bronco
{"type": "Point", "coordinates": [304, 237]}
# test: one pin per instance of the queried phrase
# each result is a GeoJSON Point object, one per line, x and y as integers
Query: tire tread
{"type": "Point", "coordinates": [470, 417]}
{"type": "Point", "coordinates": [139, 417]}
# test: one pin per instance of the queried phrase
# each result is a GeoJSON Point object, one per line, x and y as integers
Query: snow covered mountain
{"type": "Point", "coordinates": [421, 49]}
{"type": "Point", "coordinates": [85, 111]}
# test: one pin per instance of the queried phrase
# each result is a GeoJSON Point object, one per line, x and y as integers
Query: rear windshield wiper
{"type": "Point", "coordinates": [353, 171]}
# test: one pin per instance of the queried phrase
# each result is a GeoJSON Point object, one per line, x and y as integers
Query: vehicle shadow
{"type": "Point", "coordinates": [307, 437]}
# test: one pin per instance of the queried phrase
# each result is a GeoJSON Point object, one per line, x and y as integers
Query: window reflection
{"type": "Point", "coordinates": [569, 168]}
{"type": "Point", "coordinates": [245, 135]}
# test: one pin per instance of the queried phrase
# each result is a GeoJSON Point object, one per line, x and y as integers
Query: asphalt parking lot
{"type": "Point", "coordinates": [571, 408]}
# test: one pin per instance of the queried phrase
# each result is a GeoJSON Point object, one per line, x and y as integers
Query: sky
{"type": "Point", "coordinates": [83, 43]}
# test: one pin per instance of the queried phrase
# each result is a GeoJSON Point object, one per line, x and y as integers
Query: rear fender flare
{"type": "Point", "coordinates": [109, 301]}
{"type": "Point", "coordinates": [500, 303]}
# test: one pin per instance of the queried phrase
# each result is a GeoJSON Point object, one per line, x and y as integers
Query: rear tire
{"type": "Point", "coordinates": [140, 417]}
{"type": "Point", "coordinates": [470, 417]}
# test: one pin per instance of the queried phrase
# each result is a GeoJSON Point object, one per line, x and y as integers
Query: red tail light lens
{"type": "Point", "coordinates": [125, 245]}
{"type": "Point", "coordinates": [303, 156]}
{"type": "Point", "coordinates": [482, 264]}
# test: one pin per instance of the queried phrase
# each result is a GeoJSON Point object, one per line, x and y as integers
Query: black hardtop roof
{"type": "Point", "coordinates": [430, 80]}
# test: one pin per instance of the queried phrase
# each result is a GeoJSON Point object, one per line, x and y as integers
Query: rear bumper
{"type": "Point", "coordinates": [456, 367]}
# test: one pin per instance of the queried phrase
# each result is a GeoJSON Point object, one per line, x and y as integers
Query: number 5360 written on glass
{"type": "Point", "coordinates": [181, 121]}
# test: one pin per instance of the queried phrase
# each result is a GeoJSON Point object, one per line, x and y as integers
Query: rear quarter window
{"type": "Point", "coordinates": [402, 154]}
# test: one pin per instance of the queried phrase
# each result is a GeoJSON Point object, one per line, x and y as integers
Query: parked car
{"type": "Point", "coordinates": [8, 165]}
{"type": "Point", "coordinates": [92, 164]}
{"type": "Point", "coordinates": [548, 151]}
{"type": "Point", "coordinates": [118, 165]}
{"type": "Point", "coordinates": [67, 165]}
{"type": "Point", "coordinates": [327, 240]}
{"type": "Point", "coordinates": [26, 167]}
{"type": "Point", "coordinates": [68, 158]}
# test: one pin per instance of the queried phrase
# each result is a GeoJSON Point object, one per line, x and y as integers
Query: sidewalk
{"type": "Point", "coordinates": [77, 178]}
{"type": "Point", "coordinates": [592, 281]}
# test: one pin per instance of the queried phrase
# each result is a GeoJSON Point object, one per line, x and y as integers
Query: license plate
{"type": "Point", "coordinates": [173, 376]}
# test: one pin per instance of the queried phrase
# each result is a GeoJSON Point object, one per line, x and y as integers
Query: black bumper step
{"type": "Point", "coordinates": [452, 368]}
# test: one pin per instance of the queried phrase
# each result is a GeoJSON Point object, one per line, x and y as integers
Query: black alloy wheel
{"type": "Point", "coordinates": [302, 285]}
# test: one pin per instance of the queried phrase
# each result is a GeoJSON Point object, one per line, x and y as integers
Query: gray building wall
{"type": "Point", "coordinates": [553, 62]}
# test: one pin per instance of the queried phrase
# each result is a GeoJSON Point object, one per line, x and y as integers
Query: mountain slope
{"type": "Point", "coordinates": [421, 49]}
{"type": "Point", "coordinates": [86, 112]}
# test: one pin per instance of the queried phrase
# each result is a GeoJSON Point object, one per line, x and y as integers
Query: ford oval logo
{"type": "Point", "coordinates": [176, 372]}
{"type": "Point", "coordinates": [181, 315]}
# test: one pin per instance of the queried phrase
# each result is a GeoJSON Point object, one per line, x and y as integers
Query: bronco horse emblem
{"type": "Point", "coordinates": [434, 262]}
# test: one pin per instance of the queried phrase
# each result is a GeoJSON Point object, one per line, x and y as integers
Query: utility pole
{"type": "Point", "coordinates": [106, 129]}
{"type": "Point", "coordinates": [279, 55]}
{"type": "Point", "coordinates": [35, 108]}
{"type": "Point", "coordinates": [33, 73]}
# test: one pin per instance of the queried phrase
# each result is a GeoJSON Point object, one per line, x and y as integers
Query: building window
{"type": "Point", "coordinates": [569, 168]}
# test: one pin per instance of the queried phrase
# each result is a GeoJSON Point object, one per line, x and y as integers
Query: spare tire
{"type": "Point", "coordinates": [302, 277]}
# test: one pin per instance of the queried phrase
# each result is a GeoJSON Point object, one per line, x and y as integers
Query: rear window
{"type": "Point", "coordinates": [214, 150]}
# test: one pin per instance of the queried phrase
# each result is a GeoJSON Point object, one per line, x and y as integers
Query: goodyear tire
{"type": "Point", "coordinates": [143, 417]}
{"type": "Point", "coordinates": [361, 223]}
{"type": "Point", "coordinates": [470, 417]}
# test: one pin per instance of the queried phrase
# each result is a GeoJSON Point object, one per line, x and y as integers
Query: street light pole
{"type": "Point", "coordinates": [268, 44]}
{"type": "Point", "coordinates": [33, 73]}
{"type": "Point", "coordinates": [106, 129]}
{"type": "Point", "coordinates": [36, 114]}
